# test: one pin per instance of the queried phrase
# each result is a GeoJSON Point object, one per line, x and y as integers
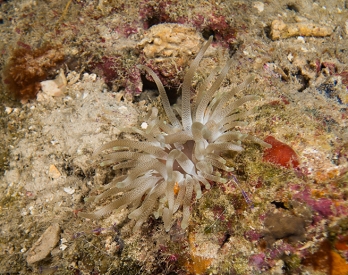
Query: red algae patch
{"type": "Point", "coordinates": [280, 154]}
{"type": "Point", "coordinates": [342, 243]}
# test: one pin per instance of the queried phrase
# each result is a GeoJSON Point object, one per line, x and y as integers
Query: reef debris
{"type": "Point", "coordinates": [280, 30]}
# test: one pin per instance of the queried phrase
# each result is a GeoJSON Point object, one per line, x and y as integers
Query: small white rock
{"type": "Point", "coordinates": [94, 77]}
{"type": "Point", "coordinates": [55, 87]}
{"type": "Point", "coordinates": [290, 57]}
{"type": "Point", "coordinates": [144, 125]}
{"type": "Point", "coordinates": [51, 88]}
{"type": "Point", "coordinates": [301, 39]}
{"type": "Point", "coordinates": [54, 142]}
{"type": "Point", "coordinates": [54, 172]}
{"type": "Point", "coordinates": [8, 110]}
{"type": "Point", "coordinates": [123, 109]}
{"type": "Point", "coordinates": [63, 247]}
{"type": "Point", "coordinates": [259, 6]}
{"type": "Point", "coordinates": [69, 190]}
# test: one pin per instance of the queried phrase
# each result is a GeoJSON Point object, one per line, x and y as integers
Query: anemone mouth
{"type": "Point", "coordinates": [179, 156]}
{"type": "Point", "coordinates": [188, 149]}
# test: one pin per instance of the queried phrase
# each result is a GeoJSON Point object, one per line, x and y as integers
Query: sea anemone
{"type": "Point", "coordinates": [180, 155]}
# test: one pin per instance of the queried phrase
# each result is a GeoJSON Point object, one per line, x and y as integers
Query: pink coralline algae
{"type": "Point", "coordinates": [280, 250]}
{"type": "Point", "coordinates": [344, 76]}
{"type": "Point", "coordinates": [156, 14]}
{"type": "Point", "coordinates": [112, 69]}
{"type": "Point", "coordinates": [252, 235]}
{"type": "Point", "coordinates": [323, 206]}
{"type": "Point", "coordinates": [259, 261]}
{"type": "Point", "coordinates": [127, 29]}
{"type": "Point", "coordinates": [108, 67]}
{"type": "Point", "coordinates": [217, 24]}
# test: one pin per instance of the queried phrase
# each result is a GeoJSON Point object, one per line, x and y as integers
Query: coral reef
{"type": "Point", "coordinates": [47, 144]}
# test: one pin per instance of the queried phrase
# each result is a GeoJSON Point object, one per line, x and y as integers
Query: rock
{"type": "Point", "coordinates": [280, 154]}
{"type": "Point", "coordinates": [54, 172]}
{"type": "Point", "coordinates": [55, 87]}
{"type": "Point", "coordinates": [281, 30]}
{"type": "Point", "coordinates": [44, 245]}
{"type": "Point", "coordinates": [168, 48]}
{"type": "Point", "coordinates": [280, 225]}
{"type": "Point", "coordinates": [290, 225]}
{"type": "Point", "coordinates": [259, 6]}
{"type": "Point", "coordinates": [170, 40]}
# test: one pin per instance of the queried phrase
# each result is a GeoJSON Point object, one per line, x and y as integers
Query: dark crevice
{"type": "Point", "coordinates": [303, 80]}
{"type": "Point", "coordinates": [206, 33]}
{"type": "Point", "coordinates": [279, 204]}
{"type": "Point", "coordinates": [292, 7]}
{"type": "Point", "coordinates": [172, 93]}
{"type": "Point", "coordinates": [233, 48]}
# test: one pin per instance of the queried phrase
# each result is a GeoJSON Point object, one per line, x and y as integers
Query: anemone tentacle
{"type": "Point", "coordinates": [180, 157]}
